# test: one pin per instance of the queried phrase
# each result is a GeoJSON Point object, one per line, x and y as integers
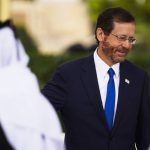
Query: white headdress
{"type": "Point", "coordinates": [11, 49]}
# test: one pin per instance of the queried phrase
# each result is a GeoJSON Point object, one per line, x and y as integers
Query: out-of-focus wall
{"type": "Point", "coordinates": [54, 25]}
{"type": "Point", "coordinates": [4, 9]}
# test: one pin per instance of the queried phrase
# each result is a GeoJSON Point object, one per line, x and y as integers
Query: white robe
{"type": "Point", "coordinates": [28, 120]}
{"type": "Point", "coordinates": [26, 117]}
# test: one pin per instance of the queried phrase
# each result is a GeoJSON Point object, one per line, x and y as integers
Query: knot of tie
{"type": "Point", "coordinates": [111, 72]}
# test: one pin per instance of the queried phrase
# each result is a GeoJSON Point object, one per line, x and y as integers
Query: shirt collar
{"type": "Point", "coordinates": [103, 67]}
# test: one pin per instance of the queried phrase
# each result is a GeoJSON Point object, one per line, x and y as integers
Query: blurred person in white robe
{"type": "Point", "coordinates": [27, 119]}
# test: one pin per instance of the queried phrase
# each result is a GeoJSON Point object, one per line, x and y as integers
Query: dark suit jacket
{"type": "Point", "coordinates": [74, 91]}
{"type": "Point", "coordinates": [4, 144]}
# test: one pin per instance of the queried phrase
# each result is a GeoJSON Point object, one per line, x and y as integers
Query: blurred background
{"type": "Point", "coordinates": [56, 31]}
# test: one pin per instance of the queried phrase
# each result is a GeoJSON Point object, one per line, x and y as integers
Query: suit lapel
{"type": "Point", "coordinates": [90, 82]}
{"type": "Point", "coordinates": [122, 96]}
{"type": "Point", "coordinates": [89, 78]}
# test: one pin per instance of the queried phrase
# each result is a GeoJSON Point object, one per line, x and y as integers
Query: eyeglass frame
{"type": "Point", "coordinates": [131, 40]}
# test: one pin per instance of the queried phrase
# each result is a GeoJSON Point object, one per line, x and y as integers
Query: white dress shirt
{"type": "Point", "coordinates": [103, 77]}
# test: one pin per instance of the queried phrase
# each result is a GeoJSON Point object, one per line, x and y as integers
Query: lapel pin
{"type": "Point", "coordinates": [127, 81]}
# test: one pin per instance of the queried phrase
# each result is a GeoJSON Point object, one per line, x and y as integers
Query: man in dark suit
{"type": "Point", "coordinates": [103, 111]}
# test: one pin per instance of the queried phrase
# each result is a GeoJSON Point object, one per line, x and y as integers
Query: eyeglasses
{"type": "Point", "coordinates": [123, 38]}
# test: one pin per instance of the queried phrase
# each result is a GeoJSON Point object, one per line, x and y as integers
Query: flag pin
{"type": "Point", "coordinates": [127, 81]}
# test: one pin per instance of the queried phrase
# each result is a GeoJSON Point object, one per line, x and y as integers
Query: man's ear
{"type": "Point", "coordinates": [100, 34]}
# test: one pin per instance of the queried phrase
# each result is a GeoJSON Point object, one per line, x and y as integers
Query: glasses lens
{"type": "Point", "coordinates": [132, 41]}
{"type": "Point", "coordinates": [121, 38]}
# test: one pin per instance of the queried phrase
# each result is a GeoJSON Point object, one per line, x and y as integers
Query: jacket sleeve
{"type": "Point", "coordinates": [56, 90]}
{"type": "Point", "coordinates": [143, 128]}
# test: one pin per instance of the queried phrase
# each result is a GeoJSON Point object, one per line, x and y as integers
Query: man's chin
{"type": "Point", "coordinates": [118, 60]}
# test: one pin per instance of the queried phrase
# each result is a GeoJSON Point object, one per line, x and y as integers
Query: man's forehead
{"type": "Point", "coordinates": [124, 27]}
{"type": "Point", "coordinates": [123, 24]}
